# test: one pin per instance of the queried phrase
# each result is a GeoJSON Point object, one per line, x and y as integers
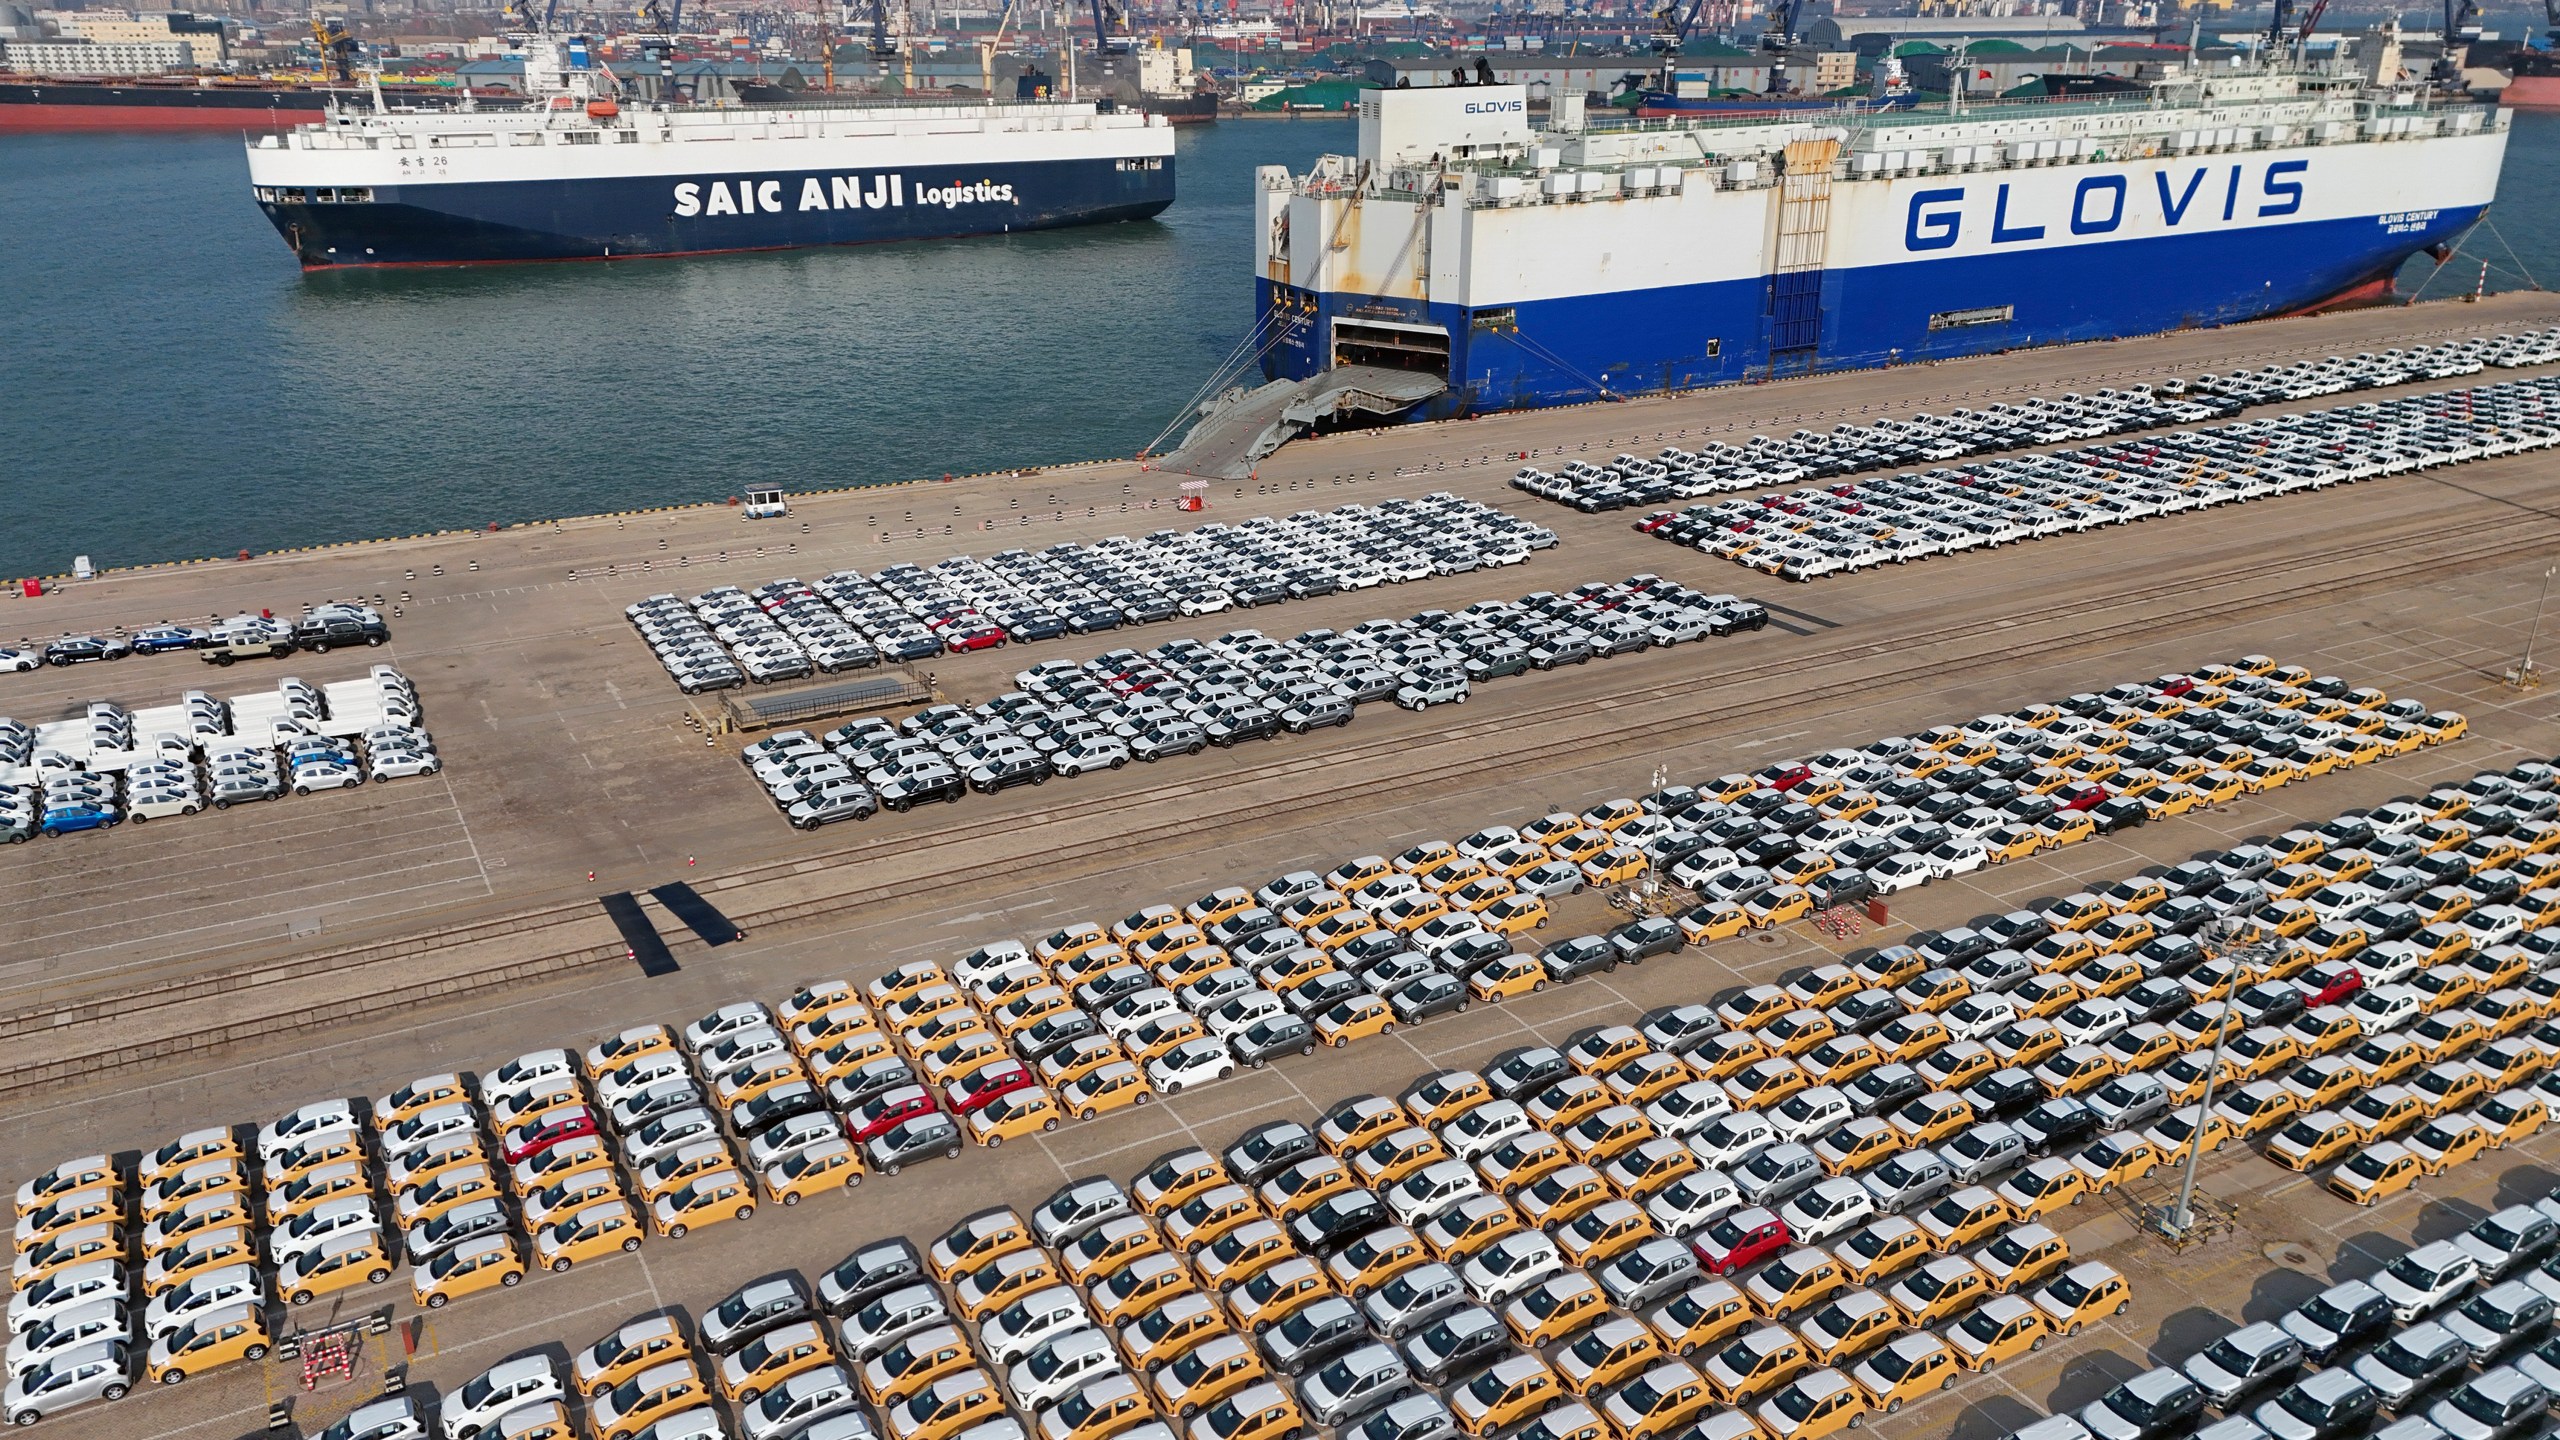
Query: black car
{"type": "Point", "coordinates": [2057, 1124]}
{"type": "Point", "coordinates": [1336, 1222]}
{"type": "Point", "coordinates": [871, 1080]}
{"type": "Point", "coordinates": [2270, 1003]}
{"type": "Point", "coordinates": [926, 1137]}
{"type": "Point", "coordinates": [1464, 1339]}
{"type": "Point", "coordinates": [78, 649]}
{"type": "Point", "coordinates": [1638, 940]}
{"type": "Point", "coordinates": [1867, 1011]}
{"type": "Point", "coordinates": [1320, 993]}
{"type": "Point", "coordinates": [1886, 1087]}
{"type": "Point", "coordinates": [1111, 984]}
{"type": "Point", "coordinates": [2121, 813]}
{"type": "Point", "coordinates": [751, 1310]}
{"type": "Point", "coordinates": [1052, 1033]}
{"type": "Point", "coordinates": [1266, 1150]}
{"type": "Point", "coordinates": [319, 634]}
{"type": "Point", "coordinates": [1525, 1070]}
{"type": "Point", "coordinates": [906, 793]}
{"type": "Point", "coordinates": [2004, 1093]}
{"type": "Point", "coordinates": [1258, 1042]}
{"type": "Point", "coordinates": [1315, 1334]}
{"type": "Point", "coordinates": [867, 1274]}
{"type": "Point", "coordinates": [1373, 948]}
{"type": "Point", "coordinates": [1582, 955]}
{"type": "Point", "coordinates": [1437, 993]}
{"type": "Point", "coordinates": [2157, 1000]}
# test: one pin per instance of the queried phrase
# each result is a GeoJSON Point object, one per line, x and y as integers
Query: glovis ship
{"type": "Point", "coordinates": [1499, 267]}
{"type": "Point", "coordinates": [580, 175]}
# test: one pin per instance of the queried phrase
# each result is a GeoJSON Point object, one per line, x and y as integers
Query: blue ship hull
{"type": "Point", "coordinates": [652, 215]}
{"type": "Point", "coordinates": [1625, 343]}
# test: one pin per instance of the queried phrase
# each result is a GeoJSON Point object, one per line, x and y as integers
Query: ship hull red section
{"type": "Point", "coordinates": [2532, 92]}
{"type": "Point", "coordinates": [152, 117]}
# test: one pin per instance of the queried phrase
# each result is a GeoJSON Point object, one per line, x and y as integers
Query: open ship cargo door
{"type": "Point", "coordinates": [1391, 345]}
{"type": "Point", "coordinates": [1804, 233]}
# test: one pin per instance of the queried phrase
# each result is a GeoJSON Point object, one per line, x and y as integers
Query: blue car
{"type": "Point", "coordinates": [168, 637]}
{"type": "Point", "coordinates": [70, 818]}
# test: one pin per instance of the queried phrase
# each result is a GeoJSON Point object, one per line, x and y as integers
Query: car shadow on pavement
{"type": "Point", "coordinates": [1991, 1418]}
{"type": "Point", "coordinates": [2442, 1219]}
{"type": "Point", "coordinates": [2090, 1374]}
{"type": "Point", "coordinates": [2524, 1184]}
{"type": "Point", "coordinates": [2363, 1253]}
{"type": "Point", "coordinates": [2184, 1332]}
{"type": "Point", "coordinates": [2278, 1291]}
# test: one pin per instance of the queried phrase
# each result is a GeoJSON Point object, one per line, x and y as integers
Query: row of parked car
{"type": "Point", "coordinates": [1181, 697]}
{"type": "Point", "coordinates": [815, 1033]}
{"type": "Point", "coordinates": [786, 629]}
{"type": "Point", "coordinates": [155, 776]}
{"type": "Point", "coordinates": [1808, 533]}
{"type": "Point", "coordinates": [1849, 449]}
{"type": "Point", "coordinates": [1468, 1291]}
{"type": "Point", "coordinates": [319, 630]}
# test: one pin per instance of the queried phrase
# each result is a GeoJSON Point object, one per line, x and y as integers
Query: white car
{"type": "Point", "coordinates": [325, 777]}
{"type": "Point", "coordinates": [1193, 1062]}
{"type": "Point", "coordinates": [471, 1411]}
{"type": "Point", "coordinates": [1896, 873]}
{"type": "Point", "coordinates": [13, 661]}
{"type": "Point", "coordinates": [1097, 752]}
{"type": "Point", "coordinates": [157, 803]}
{"type": "Point", "coordinates": [1511, 1265]}
{"type": "Point", "coordinates": [1957, 857]}
{"type": "Point", "coordinates": [391, 764]}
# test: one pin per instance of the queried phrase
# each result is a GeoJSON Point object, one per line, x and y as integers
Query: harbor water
{"type": "Point", "coordinates": [172, 387]}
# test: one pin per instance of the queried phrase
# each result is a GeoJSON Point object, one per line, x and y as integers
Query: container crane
{"type": "Point", "coordinates": [337, 46]}
{"type": "Point", "coordinates": [1111, 34]}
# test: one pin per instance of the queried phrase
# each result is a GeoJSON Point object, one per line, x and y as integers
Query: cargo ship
{"type": "Point", "coordinates": [1479, 265]}
{"type": "Point", "coordinates": [579, 175]}
{"type": "Point", "coordinates": [181, 103]}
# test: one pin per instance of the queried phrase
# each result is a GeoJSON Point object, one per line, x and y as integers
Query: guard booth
{"type": "Point", "coordinates": [766, 505]}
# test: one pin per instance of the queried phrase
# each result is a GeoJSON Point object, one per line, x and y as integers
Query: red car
{"type": "Point", "coordinates": [883, 1113]}
{"type": "Point", "coordinates": [1651, 523]}
{"type": "Point", "coordinates": [1741, 1240]}
{"type": "Point", "coordinates": [1785, 777]}
{"type": "Point", "coordinates": [969, 1092]}
{"type": "Point", "coordinates": [2085, 797]}
{"type": "Point", "coordinates": [2173, 686]}
{"type": "Point", "coordinates": [2331, 982]}
{"type": "Point", "coordinates": [526, 1141]}
{"type": "Point", "coordinates": [968, 640]}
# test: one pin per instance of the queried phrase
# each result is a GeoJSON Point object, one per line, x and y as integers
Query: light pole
{"type": "Point", "coordinates": [2223, 940]}
{"type": "Point", "coordinates": [2535, 634]}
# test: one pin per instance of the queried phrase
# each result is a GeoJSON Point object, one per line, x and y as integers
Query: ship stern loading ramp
{"type": "Point", "coordinates": [1521, 268]}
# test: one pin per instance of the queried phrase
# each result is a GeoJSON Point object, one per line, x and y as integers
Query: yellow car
{"type": "Point", "coordinates": [2512, 1115]}
{"type": "Point", "coordinates": [1014, 1115]}
{"type": "Point", "coordinates": [1357, 1018]}
{"type": "Point", "coordinates": [2085, 1293]}
{"type": "Point", "coordinates": [595, 1231]}
{"type": "Point", "coordinates": [1108, 1088]}
{"type": "Point", "coordinates": [1794, 1281]}
{"type": "Point", "coordinates": [1170, 1331]}
{"type": "Point", "coordinates": [1505, 977]}
{"type": "Point", "coordinates": [1963, 1218]}
{"type": "Point", "coordinates": [1905, 1369]}
{"type": "Point", "coordinates": [2005, 1327]}
{"type": "Point", "coordinates": [2044, 1187]}
{"type": "Point", "coordinates": [480, 1263]}
{"type": "Point", "coordinates": [773, 1357]}
{"type": "Point", "coordinates": [1514, 914]}
{"type": "Point", "coordinates": [1554, 1308]}
{"type": "Point", "coordinates": [1510, 1390]}
{"type": "Point", "coordinates": [1007, 1278]}
{"type": "Point", "coordinates": [708, 1199]}
{"type": "Point", "coordinates": [1942, 1288]}
{"type": "Point", "coordinates": [1276, 1294]}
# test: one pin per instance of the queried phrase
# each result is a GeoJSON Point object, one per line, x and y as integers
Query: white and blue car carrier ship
{"type": "Point", "coordinates": [1519, 268]}
{"type": "Point", "coordinates": [581, 174]}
